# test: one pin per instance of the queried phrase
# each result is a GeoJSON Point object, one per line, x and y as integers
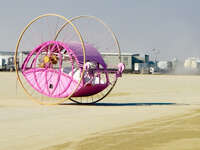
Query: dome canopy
{"type": "Point", "coordinates": [91, 53]}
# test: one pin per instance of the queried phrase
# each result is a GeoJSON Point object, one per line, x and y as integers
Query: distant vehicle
{"type": "Point", "coordinates": [10, 66]}
{"type": "Point", "coordinates": [165, 66]}
{"type": "Point", "coordinates": [2, 63]}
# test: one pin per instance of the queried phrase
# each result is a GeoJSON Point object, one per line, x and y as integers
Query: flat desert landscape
{"type": "Point", "coordinates": [143, 112]}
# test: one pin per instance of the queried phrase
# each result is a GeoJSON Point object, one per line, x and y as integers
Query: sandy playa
{"type": "Point", "coordinates": [143, 112]}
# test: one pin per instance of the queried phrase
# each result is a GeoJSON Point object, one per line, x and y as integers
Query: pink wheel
{"type": "Point", "coordinates": [53, 63]}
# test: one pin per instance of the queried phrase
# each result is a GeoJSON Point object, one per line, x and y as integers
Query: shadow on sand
{"type": "Point", "coordinates": [122, 104]}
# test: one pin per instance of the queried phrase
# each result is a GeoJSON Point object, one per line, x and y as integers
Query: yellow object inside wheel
{"type": "Point", "coordinates": [54, 59]}
{"type": "Point", "coordinates": [41, 65]}
{"type": "Point", "coordinates": [46, 59]}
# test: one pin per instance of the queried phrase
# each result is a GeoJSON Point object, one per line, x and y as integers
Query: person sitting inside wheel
{"type": "Point", "coordinates": [89, 78]}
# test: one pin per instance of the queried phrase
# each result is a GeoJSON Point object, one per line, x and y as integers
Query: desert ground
{"type": "Point", "coordinates": [143, 112]}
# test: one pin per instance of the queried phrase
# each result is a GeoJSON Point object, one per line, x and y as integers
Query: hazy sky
{"type": "Point", "coordinates": [171, 26]}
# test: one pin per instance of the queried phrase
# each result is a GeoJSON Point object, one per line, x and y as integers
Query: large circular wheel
{"type": "Point", "coordinates": [95, 32]}
{"type": "Point", "coordinates": [36, 46]}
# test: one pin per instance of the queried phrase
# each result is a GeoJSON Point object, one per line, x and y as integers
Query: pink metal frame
{"type": "Point", "coordinates": [63, 84]}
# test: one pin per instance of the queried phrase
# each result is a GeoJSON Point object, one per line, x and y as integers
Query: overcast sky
{"type": "Point", "coordinates": [170, 26]}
